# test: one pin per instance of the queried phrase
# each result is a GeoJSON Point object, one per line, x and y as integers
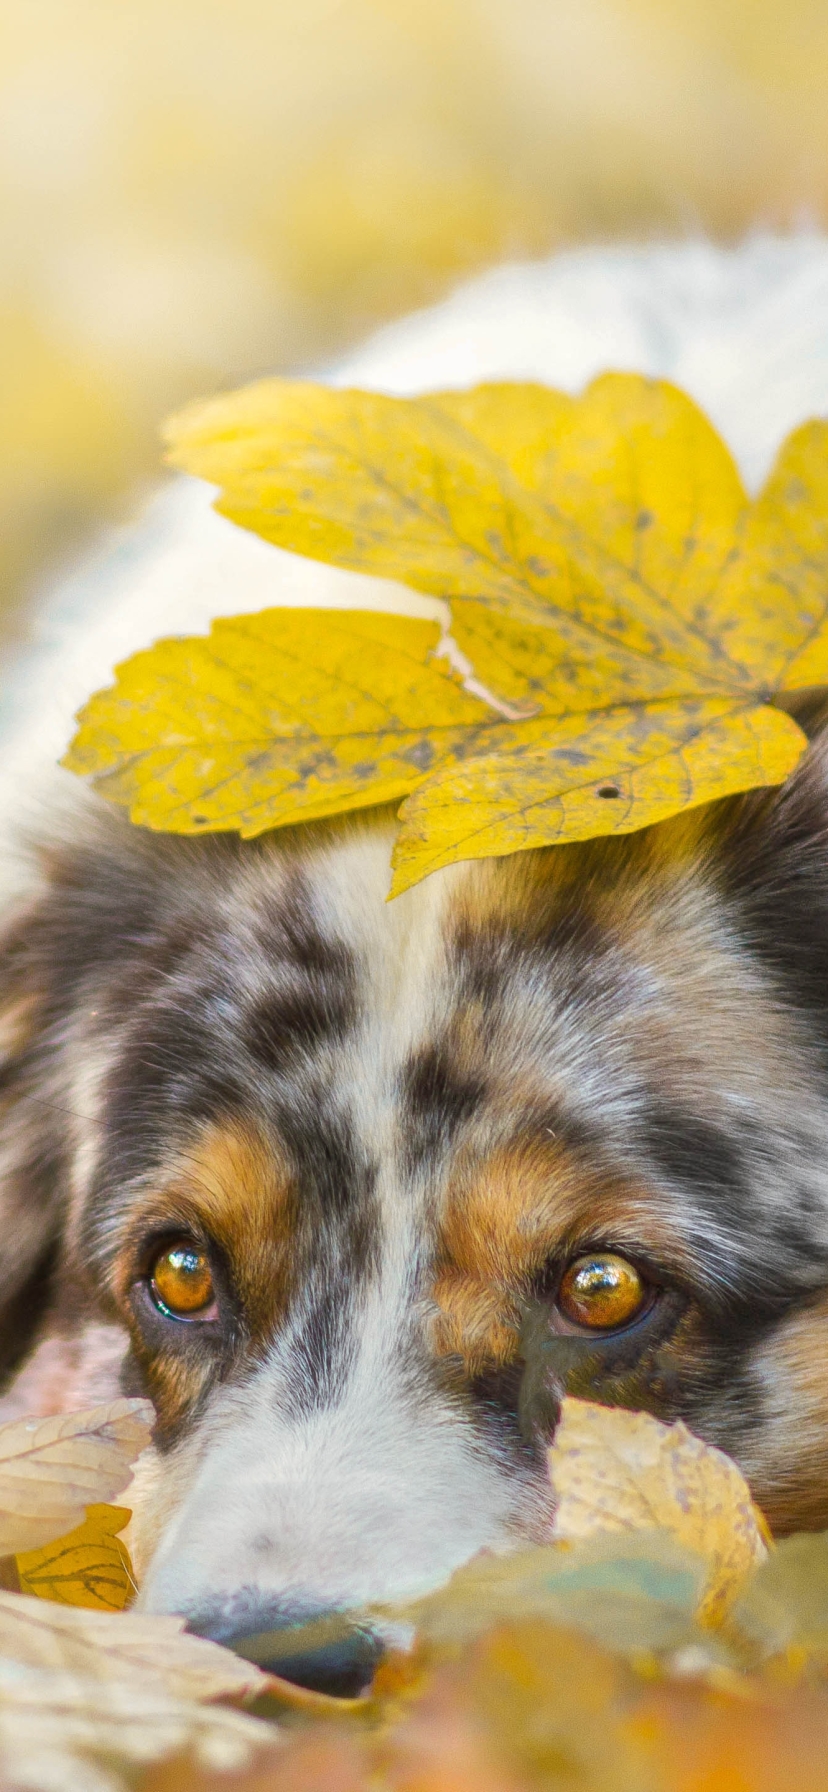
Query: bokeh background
{"type": "Point", "coordinates": [196, 191]}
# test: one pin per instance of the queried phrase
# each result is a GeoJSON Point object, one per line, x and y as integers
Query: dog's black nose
{"type": "Point", "coordinates": [331, 1654]}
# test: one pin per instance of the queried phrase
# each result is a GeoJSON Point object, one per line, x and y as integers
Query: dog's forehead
{"type": "Point", "coordinates": [293, 993]}
{"type": "Point", "coordinates": [590, 1003]}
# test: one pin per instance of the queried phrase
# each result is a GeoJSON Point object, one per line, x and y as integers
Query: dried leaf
{"type": "Point", "coordinates": [634, 1593]}
{"type": "Point", "coordinates": [625, 1471]}
{"type": "Point", "coordinates": [134, 1646]}
{"type": "Point", "coordinates": [528, 1704]}
{"type": "Point", "coordinates": [607, 577]}
{"type": "Point", "coordinates": [88, 1567]}
{"type": "Point", "coordinates": [320, 1760]}
{"type": "Point", "coordinates": [62, 1732]}
{"type": "Point", "coordinates": [52, 1469]}
{"type": "Point", "coordinates": [783, 1609]}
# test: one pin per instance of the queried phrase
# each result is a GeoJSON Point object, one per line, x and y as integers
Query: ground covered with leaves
{"type": "Point", "coordinates": [659, 1642]}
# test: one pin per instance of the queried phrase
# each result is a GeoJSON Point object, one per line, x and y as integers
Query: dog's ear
{"type": "Point", "coordinates": [772, 847]}
{"type": "Point", "coordinates": [34, 1129]}
{"type": "Point", "coordinates": [92, 898]}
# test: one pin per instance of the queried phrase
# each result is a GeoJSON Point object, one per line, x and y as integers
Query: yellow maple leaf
{"type": "Point", "coordinates": [614, 1470]}
{"type": "Point", "coordinates": [628, 616]}
{"type": "Point", "coordinates": [89, 1567]}
{"type": "Point", "coordinates": [289, 714]}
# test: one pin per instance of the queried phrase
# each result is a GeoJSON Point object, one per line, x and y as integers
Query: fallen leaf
{"type": "Point", "coordinates": [52, 1469]}
{"type": "Point", "coordinates": [628, 618]}
{"type": "Point", "coordinates": [783, 1609]}
{"type": "Point", "coordinates": [90, 1566]}
{"type": "Point", "coordinates": [614, 1470]}
{"type": "Point", "coordinates": [135, 1646]}
{"type": "Point", "coordinates": [752, 1738]}
{"type": "Point", "coordinates": [528, 1704]}
{"type": "Point", "coordinates": [317, 1761]}
{"type": "Point", "coordinates": [62, 1732]}
{"type": "Point", "coordinates": [636, 1593]}
{"type": "Point", "coordinates": [531, 1704]}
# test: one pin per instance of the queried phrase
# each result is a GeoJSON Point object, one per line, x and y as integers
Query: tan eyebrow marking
{"type": "Point", "coordinates": [502, 1220]}
{"type": "Point", "coordinates": [242, 1191]}
{"type": "Point", "coordinates": [233, 1185]}
{"type": "Point", "coordinates": [506, 1218]}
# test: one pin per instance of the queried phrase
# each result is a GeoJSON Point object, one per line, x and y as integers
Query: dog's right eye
{"type": "Point", "coordinates": [181, 1282]}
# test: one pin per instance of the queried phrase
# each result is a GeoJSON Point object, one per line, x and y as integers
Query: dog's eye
{"type": "Point", "coordinates": [181, 1283]}
{"type": "Point", "coordinates": [601, 1292]}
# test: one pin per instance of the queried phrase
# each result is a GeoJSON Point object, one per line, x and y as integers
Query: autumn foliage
{"type": "Point", "coordinates": [657, 1643]}
{"type": "Point", "coordinates": [628, 623]}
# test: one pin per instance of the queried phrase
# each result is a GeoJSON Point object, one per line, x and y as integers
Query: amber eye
{"type": "Point", "coordinates": [601, 1291]}
{"type": "Point", "coordinates": [181, 1282]}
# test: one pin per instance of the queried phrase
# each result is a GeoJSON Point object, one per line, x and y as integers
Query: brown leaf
{"type": "Point", "coordinates": [532, 1706]}
{"type": "Point", "coordinates": [529, 1704]}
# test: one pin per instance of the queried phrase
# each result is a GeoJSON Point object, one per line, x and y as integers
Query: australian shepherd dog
{"type": "Point", "coordinates": [355, 1190]}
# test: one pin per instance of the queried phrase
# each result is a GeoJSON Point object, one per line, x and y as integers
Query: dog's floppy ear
{"type": "Point", "coordinates": [92, 897]}
{"type": "Point", "coordinates": [34, 1128]}
{"type": "Point", "coordinates": [773, 847]}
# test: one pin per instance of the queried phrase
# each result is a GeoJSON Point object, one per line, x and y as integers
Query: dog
{"type": "Point", "coordinates": [355, 1191]}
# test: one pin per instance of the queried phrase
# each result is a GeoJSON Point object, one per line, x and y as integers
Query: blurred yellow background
{"type": "Point", "coordinates": [195, 191]}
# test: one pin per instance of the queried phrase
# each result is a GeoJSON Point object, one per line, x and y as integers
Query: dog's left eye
{"type": "Point", "coordinates": [602, 1292]}
{"type": "Point", "coordinates": [181, 1282]}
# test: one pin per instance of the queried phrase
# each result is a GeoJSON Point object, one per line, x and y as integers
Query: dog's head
{"type": "Point", "coordinates": [371, 1185]}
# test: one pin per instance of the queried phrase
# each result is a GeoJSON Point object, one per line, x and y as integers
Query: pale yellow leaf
{"type": "Point", "coordinates": [613, 1470]}
{"type": "Point", "coordinates": [52, 1469]}
{"type": "Point", "coordinates": [112, 1646]}
{"type": "Point", "coordinates": [88, 1567]}
{"type": "Point", "coordinates": [605, 773]}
